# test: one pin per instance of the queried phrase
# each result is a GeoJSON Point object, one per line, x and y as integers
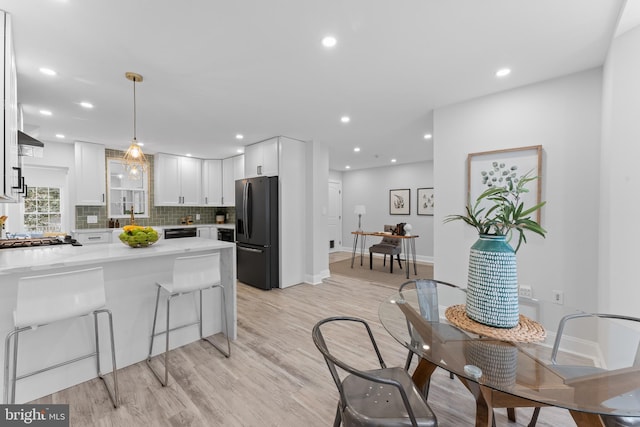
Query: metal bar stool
{"type": "Point", "coordinates": [190, 274]}
{"type": "Point", "coordinates": [50, 298]}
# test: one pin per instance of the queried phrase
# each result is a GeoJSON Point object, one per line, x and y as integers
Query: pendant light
{"type": "Point", "coordinates": [134, 159]}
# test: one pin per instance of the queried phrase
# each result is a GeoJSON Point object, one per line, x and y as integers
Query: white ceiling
{"type": "Point", "coordinates": [215, 68]}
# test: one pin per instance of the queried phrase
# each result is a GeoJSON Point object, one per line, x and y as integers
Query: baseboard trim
{"type": "Point", "coordinates": [419, 258]}
{"type": "Point", "coordinates": [316, 279]}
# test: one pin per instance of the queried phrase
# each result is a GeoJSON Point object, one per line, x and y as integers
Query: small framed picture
{"type": "Point", "coordinates": [400, 202]}
{"type": "Point", "coordinates": [425, 201]}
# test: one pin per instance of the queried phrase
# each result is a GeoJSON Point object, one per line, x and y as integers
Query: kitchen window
{"type": "Point", "coordinates": [126, 193]}
{"type": "Point", "coordinates": [42, 210]}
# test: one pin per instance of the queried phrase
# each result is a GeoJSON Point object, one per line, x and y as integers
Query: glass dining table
{"type": "Point", "coordinates": [593, 370]}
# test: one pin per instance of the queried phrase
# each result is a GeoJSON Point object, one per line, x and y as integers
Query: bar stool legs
{"type": "Point", "coordinates": [164, 378]}
{"type": "Point", "coordinates": [14, 335]}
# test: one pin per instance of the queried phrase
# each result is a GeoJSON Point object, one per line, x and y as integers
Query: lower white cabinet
{"type": "Point", "coordinates": [91, 237]}
{"type": "Point", "coordinates": [204, 232]}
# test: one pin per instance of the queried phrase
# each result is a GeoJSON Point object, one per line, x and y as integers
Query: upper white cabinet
{"type": "Point", "coordinates": [212, 181]}
{"type": "Point", "coordinates": [177, 180]}
{"type": "Point", "coordinates": [90, 174]}
{"type": "Point", "coordinates": [13, 183]}
{"type": "Point", "coordinates": [232, 170]}
{"type": "Point", "coordinates": [261, 159]}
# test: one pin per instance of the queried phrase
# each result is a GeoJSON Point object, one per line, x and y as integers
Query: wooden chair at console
{"type": "Point", "coordinates": [387, 246]}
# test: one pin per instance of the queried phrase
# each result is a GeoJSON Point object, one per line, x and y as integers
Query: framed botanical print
{"type": "Point", "coordinates": [400, 202]}
{"type": "Point", "coordinates": [425, 201]}
{"type": "Point", "coordinates": [494, 168]}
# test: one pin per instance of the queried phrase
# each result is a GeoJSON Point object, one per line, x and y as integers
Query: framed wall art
{"type": "Point", "coordinates": [425, 201]}
{"type": "Point", "coordinates": [495, 168]}
{"type": "Point", "coordinates": [400, 202]}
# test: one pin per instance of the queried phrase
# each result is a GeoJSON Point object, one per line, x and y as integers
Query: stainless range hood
{"type": "Point", "coordinates": [29, 146]}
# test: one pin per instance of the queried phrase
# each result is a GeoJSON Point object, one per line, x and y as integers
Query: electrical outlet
{"type": "Point", "coordinates": [92, 219]}
{"type": "Point", "coordinates": [197, 217]}
{"type": "Point", "coordinates": [525, 291]}
{"type": "Point", "coordinates": [558, 297]}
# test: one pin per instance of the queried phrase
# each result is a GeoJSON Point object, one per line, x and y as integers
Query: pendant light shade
{"type": "Point", "coordinates": [134, 159]}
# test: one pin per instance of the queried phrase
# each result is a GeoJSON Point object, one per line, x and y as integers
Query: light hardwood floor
{"type": "Point", "coordinates": [275, 376]}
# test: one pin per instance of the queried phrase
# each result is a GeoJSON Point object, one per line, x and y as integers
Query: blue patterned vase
{"type": "Point", "coordinates": [492, 287]}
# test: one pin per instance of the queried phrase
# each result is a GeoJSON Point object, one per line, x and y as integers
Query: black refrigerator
{"type": "Point", "coordinates": [257, 232]}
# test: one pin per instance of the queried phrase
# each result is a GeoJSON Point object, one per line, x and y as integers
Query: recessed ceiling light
{"type": "Point", "coordinates": [86, 104]}
{"type": "Point", "coordinates": [188, 154]}
{"type": "Point", "coordinates": [329, 41]}
{"type": "Point", "coordinates": [48, 71]}
{"type": "Point", "coordinates": [240, 150]}
{"type": "Point", "coordinates": [59, 135]}
{"type": "Point", "coordinates": [345, 119]}
{"type": "Point", "coordinates": [239, 136]}
{"type": "Point", "coordinates": [503, 72]}
{"type": "Point", "coordinates": [357, 149]}
{"type": "Point", "coordinates": [45, 112]}
{"type": "Point", "coordinates": [427, 136]}
{"type": "Point", "coordinates": [347, 167]}
{"type": "Point", "coordinates": [393, 160]}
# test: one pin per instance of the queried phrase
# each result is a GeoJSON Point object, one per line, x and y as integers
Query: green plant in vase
{"type": "Point", "coordinates": [497, 214]}
{"type": "Point", "coordinates": [506, 212]}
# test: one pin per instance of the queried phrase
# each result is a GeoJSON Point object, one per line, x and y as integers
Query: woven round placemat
{"type": "Point", "coordinates": [527, 330]}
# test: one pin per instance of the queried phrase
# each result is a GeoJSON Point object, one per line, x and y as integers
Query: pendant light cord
{"type": "Point", "coordinates": [134, 109]}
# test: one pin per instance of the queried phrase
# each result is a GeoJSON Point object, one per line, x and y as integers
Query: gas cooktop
{"type": "Point", "coordinates": [36, 242]}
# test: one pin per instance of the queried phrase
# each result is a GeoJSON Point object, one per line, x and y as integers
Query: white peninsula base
{"type": "Point", "coordinates": [130, 277]}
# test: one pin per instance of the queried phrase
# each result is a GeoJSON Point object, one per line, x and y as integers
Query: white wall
{"type": "Point", "coordinates": [620, 181]}
{"type": "Point", "coordinates": [370, 187]}
{"type": "Point", "coordinates": [317, 194]}
{"type": "Point", "coordinates": [564, 116]}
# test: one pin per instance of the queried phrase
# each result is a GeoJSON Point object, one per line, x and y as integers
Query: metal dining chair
{"type": "Point", "coordinates": [574, 371]}
{"type": "Point", "coordinates": [427, 290]}
{"type": "Point", "coordinates": [385, 397]}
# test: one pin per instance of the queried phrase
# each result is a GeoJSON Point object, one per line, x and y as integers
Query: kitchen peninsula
{"type": "Point", "coordinates": [130, 276]}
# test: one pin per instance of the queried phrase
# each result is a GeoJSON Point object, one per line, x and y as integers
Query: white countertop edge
{"type": "Point", "coordinates": [26, 260]}
{"type": "Point", "coordinates": [155, 227]}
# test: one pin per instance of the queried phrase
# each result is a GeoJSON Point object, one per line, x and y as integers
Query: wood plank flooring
{"type": "Point", "coordinates": [275, 376]}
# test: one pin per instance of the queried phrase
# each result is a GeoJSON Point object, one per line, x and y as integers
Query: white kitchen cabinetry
{"type": "Point", "coordinates": [212, 181]}
{"type": "Point", "coordinates": [90, 174]}
{"type": "Point", "coordinates": [11, 187]}
{"type": "Point", "coordinates": [232, 170]}
{"type": "Point", "coordinates": [177, 180]}
{"type": "Point", "coordinates": [92, 237]}
{"type": "Point", "coordinates": [261, 159]}
{"type": "Point", "coordinates": [204, 232]}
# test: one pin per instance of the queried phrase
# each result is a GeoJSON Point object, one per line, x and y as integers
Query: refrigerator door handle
{"type": "Point", "coordinates": [242, 248]}
{"type": "Point", "coordinates": [244, 209]}
{"type": "Point", "coordinates": [249, 210]}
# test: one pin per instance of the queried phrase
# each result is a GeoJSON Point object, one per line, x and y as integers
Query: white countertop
{"type": "Point", "coordinates": [19, 260]}
{"type": "Point", "coordinates": [156, 227]}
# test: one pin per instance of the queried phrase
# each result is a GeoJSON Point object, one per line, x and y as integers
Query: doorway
{"type": "Point", "coordinates": [334, 216]}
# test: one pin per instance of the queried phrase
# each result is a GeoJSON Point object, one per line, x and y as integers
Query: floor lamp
{"type": "Point", "coordinates": [360, 210]}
